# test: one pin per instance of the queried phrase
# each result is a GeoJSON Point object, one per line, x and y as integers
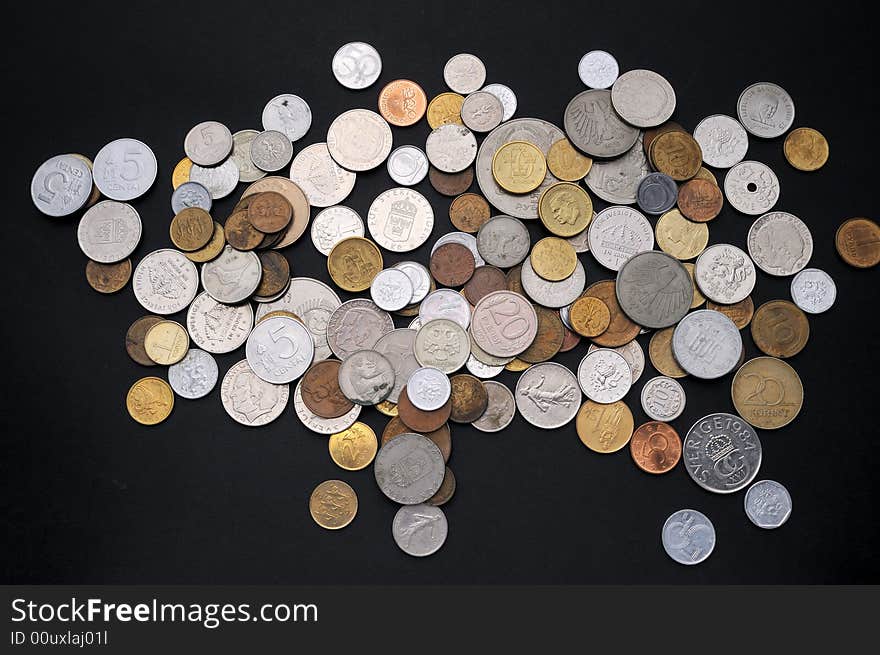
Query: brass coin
{"type": "Point", "coordinates": [740, 313]}
{"type": "Point", "coordinates": [212, 250]}
{"type": "Point", "coordinates": [469, 398]}
{"type": "Point", "coordinates": [280, 312]}
{"type": "Point", "coordinates": [95, 195]}
{"type": "Point", "coordinates": [181, 172]}
{"type": "Point", "coordinates": [451, 184]}
{"type": "Point", "coordinates": [239, 232]}
{"type": "Point", "coordinates": [320, 390]}
{"type": "Point", "coordinates": [446, 490]}
{"type": "Point", "coordinates": [276, 274]}
{"type": "Point", "coordinates": [677, 154]}
{"type": "Point", "coordinates": [652, 133]}
{"type": "Point", "coordinates": [514, 280]}
{"type": "Point", "coordinates": [700, 200]}
{"type": "Point", "coordinates": [354, 448]}
{"type": "Point", "coordinates": [333, 504]}
{"type": "Point", "coordinates": [806, 149]}
{"type": "Point", "coordinates": [442, 436]}
{"type": "Point", "coordinates": [660, 354]}
{"type": "Point", "coordinates": [566, 163]}
{"type": "Point", "coordinates": [418, 420]}
{"type": "Point", "coordinates": [269, 211]}
{"type": "Point", "coordinates": [699, 298]}
{"type": "Point", "coordinates": [452, 264]}
{"type": "Point", "coordinates": [679, 237]}
{"type": "Point", "coordinates": [166, 342]}
{"type": "Point", "coordinates": [780, 328]}
{"type": "Point", "coordinates": [565, 209]}
{"type": "Point", "coordinates": [858, 242]}
{"type": "Point", "coordinates": [620, 330]}
{"type": "Point", "coordinates": [484, 281]}
{"type": "Point", "coordinates": [767, 392]}
{"type": "Point", "coordinates": [353, 263]}
{"type": "Point", "coordinates": [387, 408]}
{"type": "Point", "coordinates": [134, 339]}
{"type": "Point", "coordinates": [149, 401]}
{"type": "Point", "coordinates": [516, 365]}
{"type": "Point", "coordinates": [548, 340]}
{"type": "Point", "coordinates": [445, 109]}
{"type": "Point", "coordinates": [402, 103]}
{"type": "Point", "coordinates": [108, 278]}
{"type": "Point", "coordinates": [589, 316]}
{"type": "Point", "coordinates": [604, 428]}
{"type": "Point", "coordinates": [553, 258]}
{"type": "Point", "coordinates": [655, 447]}
{"type": "Point", "coordinates": [191, 229]}
{"type": "Point", "coordinates": [519, 167]}
{"type": "Point", "coordinates": [469, 211]}
{"type": "Point", "coordinates": [705, 174]}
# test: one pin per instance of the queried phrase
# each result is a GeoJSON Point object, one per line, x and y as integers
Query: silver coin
{"type": "Point", "coordinates": [767, 504]}
{"type": "Point", "coordinates": [165, 281]}
{"type": "Point", "coordinates": [598, 69]}
{"type": "Point", "coordinates": [657, 193]}
{"type": "Point", "coordinates": [617, 233]}
{"type": "Point", "coordinates": [400, 219]}
{"type": "Point", "coordinates": [359, 140]}
{"type": "Point", "coordinates": [548, 395]}
{"type": "Point", "coordinates": [722, 453]}
{"type": "Point", "coordinates": [271, 151]}
{"type": "Point", "coordinates": [482, 111]}
{"type": "Point", "coordinates": [428, 388]}
{"type": "Point", "coordinates": [480, 370]}
{"type": "Point", "coordinates": [332, 225]}
{"type": "Point", "coordinates": [241, 155]}
{"type": "Point", "coordinates": [688, 536]}
{"type": "Point", "coordinates": [451, 148]}
{"type": "Point", "coordinates": [279, 349]}
{"type": "Point", "coordinates": [780, 243]}
{"type": "Point", "coordinates": [366, 377]}
{"type": "Point", "coordinates": [581, 242]}
{"type": "Point", "coordinates": [663, 399]}
{"type": "Point", "coordinates": [593, 126]}
{"type": "Point", "coordinates": [443, 344]}
{"type": "Point", "coordinates": [289, 114]}
{"type": "Point", "coordinates": [219, 180]}
{"type": "Point", "coordinates": [633, 354]}
{"type": "Point", "coordinates": [465, 239]}
{"type": "Point", "coordinates": [397, 347]}
{"type": "Point", "coordinates": [448, 304]}
{"type": "Point", "coordinates": [324, 182]}
{"type": "Point", "coordinates": [565, 316]}
{"type": "Point", "coordinates": [419, 277]}
{"type": "Point", "coordinates": [250, 400]}
{"type": "Point", "coordinates": [504, 323]}
{"type": "Point", "coordinates": [617, 180]}
{"type": "Point", "coordinates": [124, 169]}
{"type": "Point", "coordinates": [507, 97]}
{"type": "Point", "coordinates": [654, 289]}
{"type": "Point", "coordinates": [416, 323]}
{"type": "Point", "coordinates": [500, 410]}
{"type": "Point", "coordinates": [419, 530]}
{"type": "Point", "coordinates": [193, 376]}
{"type": "Point", "coordinates": [356, 65]}
{"type": "Point", "coordinates": [751, 187]}
{"type": "Point", "coordinates": [61, 185]}
{"type": "Point", "coordinates": [464, 73]}
{"type": "Point", "coordinates": [765, 110]}
{"type": "Point", "coordinates": [190, 194]}
{"type": "Point", "coordinates": [109, 231]}
{"type": "Point", "coordinates": [707, 344]}
{"type": "Point", "coordinates": [604, 376]}
{"type": "Point", "coordinates": [722, 139]}
{"type": "Point", "coordinates": [503, 241]}
{"type": "Point", "coordinates": [724, 274]}
{"type": "Point", "coordinates": [319, 424]}
{"type": "Point", "coordinates": [208, 143]}
{"type": "Point", "coordinates": [391, 289]}
{"type": "Point", "coordinates": [409, 468]}
{"type": "Point", "coordinates": [643, 98]}
{"type": "Point", "coordinates": [485, 358]}
{"type": "Point", "coordinates": [218, 328]}
{"type": "Point", "coordinates": [233, 276]}
{"type": "Point", "coordinates": [553, 294]}
{"type": "Point", "coordinates": [407, 165]}
{"type": "Point", "coordinates": [356, 325]}
{"type": "Point", "coordinates": [813, 290]}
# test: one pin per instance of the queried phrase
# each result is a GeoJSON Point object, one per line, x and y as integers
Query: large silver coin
{"type": "Point", "coordinates": [109, 231]}
{"type": "Point", "coordinates": [598, 69]}
{"type": "Point", "coordinates": [500, 410]}
{"type": "Point", "coordinates": [707, 344]}
{"type": "Point", "coordinates": [654, 289]}
{"type": "Point", "coordinates": [617, 180]}
{"type": "Point", "coordinates": [657, 193]}
{"type": "Point", "coordinates": [448, 304]}
{"type": "Point", "coordinates": [391, 289]}
{"type": "Point", "coordinates": [219, 180]}
{"type": "Point", "coordinates": [322, 180]}
{"type": "Point", "coordinates": [767, 504]}
{"type": "Point", "coordinates": [616, 234]}
{"type": "Point", "coordinates": [503, 241]}
{"type": "Point", "coordinates": [464, 73]}
{"type": "Point", "coordinates": [751, 187]}
{"type": "Point", "coordinates": [332, 225]}
{"type": "Point", "coordinates": [279, 349]}
{"type": "Point", "coordinates": [465, 239]}
{"type": "Point", "coordinates": [724, 274]}
{"type": "Point", "coordinates": [233, 276]}
{"type": "Point", "coordinates": [241, 155]}
{"type": "Point", "coordinates": [504, 323]}
{"type": "Point", "coordinates": [250, 400]}
{"type": "Point", "coordinates": [398, 348]}
{"type": "Point", "coordinates": [190, 194]}
{"type": "Point", "coordinates": [218, 328]}
{"type": "Point", "coordinates": [722, 453]}
{"type": "Point", "coordinates": [688, 536]}
{"type": "Point", "coordinates": [271, 151]}
{"type": "Point", "coordinates": [419, 278]}
{"type": "Point", "coordinates": [359, 140]}
{"type": "Point", "coordinates": [643, 98]}
{"type": "Point", "coordinates": [124, 169]}
{"type": "Point", "coordinates": [319, 424]}
{"type": "Point", "coordinates": [165, 281]}
{"type": "Point", "coordinates": [593, 126]}
{"type": "Point", "coordinates": [356, 65]}
{"type": "Point", "coordinates": [722, 139]}
{"type": "Point", "coordinates": [419, 530]}
{"type": "Point", "coordinates": [409, 468]}
{"type": "Point", "coordinates": [193, 376]}
{"type": "Point", "coordinates": [451, 148]}
{"type": "Point", "coordinates": [553, 294]}
{"type": "Point", "coordinates": [208, 143]}
{"type": "Point", "coordinates": [366, 377]}
{"type": "Point", "coordinates": [663, 399]}
{"type": "Point", "coordinates": [548, 395]}
{"type": "Point", "coordinates": [443, 344]}
{"type": "Point", "coordinates": [813, 290]}
{"type": "Point", "coordinates": [407, 165]}
{"type": "Point", "coordinates": [765, 109]}
{"type": "Point", "coordinates": [428, 388]}
{"type": "Point", "coordinates": [400, 219]}
{"type": "Point", "coordinates": [61, 185]}
{"type": "Point", "coordinates": [633, 354]}
{"type": "Point", "coordinates": [604, 376]}
{"type": "Point", "coordinates": [289, 114]}
{"type": "Point", "coordinates": [356, 325]}
{"type": "Point", "coordinates": [780, 243]}
{"type": "Point", "coordinates": [507, 97]}
{"type": "Point", "coordinates": [482, 112]}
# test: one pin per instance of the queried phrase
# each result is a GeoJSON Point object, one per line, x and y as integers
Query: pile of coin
{"type": "Point", "coordinates": [489, 299]}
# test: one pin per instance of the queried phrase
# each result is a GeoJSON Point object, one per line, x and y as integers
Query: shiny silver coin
{"type": "Point", "coordinates": [279, 349]}
{"type": "Point", "coordinates": [271, 151]}
{"type": "Point", "coordinates": [356, 65]}
{"type": "Point", "coordinates": [723, 141]}
{"type": "Point", "coordinates": [124, 169]}
{"type": "Point", "coordinates": [318, 424]}
{"type": "Point", "coordinates": [391, 289]}
{"type": "Point", "coordinates": [565, 316]}
{"type": "Point", "coordinates": [419, 530]}
{"type": "Point", "coordinates": [500, 410]}
{"type": "Point", "coordinates": [767, 504]}
{"type": "Point", "coordinates": [419, 277]}
{"type": "Point", "coordinates": [617, 233]}
{"type": "Point", "coordinates": [232, 277]}
{"type": "Point", "coordinates": [409, 469]}
{"type": "Point", "coordinates": [593, 126]}
{"type": "Point", "coordinates": [643, 98]}
{"type": "Point", "coordinates": [724, 274]}
{"type": "Point", "coordinates": [504, 323]}
{"type": "Point", "coordinates": [397, 347]}
{"type": "Point", "coordinates": [688, 536]}
{"type": "Point", "coordinates": [751, 188]}
{"type": "Point", "coordinates": [416, 323]}
{"type": "Point", "coordinates": [707, 344]}
{"type": "Point", "coordinates": [400, 219]}
{"type": "Point", "coordinates": [250, 400]}
{"type": "Point", "coordinates": [464, 73]}
{"type": "Point", "coordinates": [633, 354]}
{"type": "Point", "coordinates": [503, 241]}
{"type": "Point", "coordinates": [220, 180]}
{"type": "Point", "coordinates": [451, 148]}
{"type": "Point", "coordinates": [548, 395]}
{"type": "Point", "coordinates": [442, 344]}
{"type": "Point", "coordinates": [657, 193]}
{"type": "Point", "coordinates": [208, 143]}
{"type": "Point", "coordinates": [480, 370]}
{"type": "Point", "coordinates": [356, 325]}
{"type": "Point", "coordinates": [722, 453]}
{"type": "Point", "coordinates": [109, 231]}
{"type": "Point", "coordinates": [428, 388]}
{"type": "Point", "coordinates": [663, 399]}
{"type": "Point", "coordinates": [813, 290]}
{"type": "Point", "coordinates": [407, 165]}
{"type": "Point", "coordinates": [598, 69]}
{"type": "Point", "coordinates": [61, 185]}
{"type": "Point", "coordinates": [765, 110]}
{"type": "Point", "coordinates": [190, 194]}
{"type": "Point", "coordinates": [604, 376]}
{"type": "Point", "coordinates": [446, 303]}
{"type": "Point", "coordinates": [780, 243]}
{"type": "Point", "coordinates": [289, 114]}
{"type": "Point", "coordinates": [553, 294]}
{"type": "Point", "coordinates": [366, 377]}
{"type": "Point", "coordinates": [617, 180]}
{"type": "Point", "coordinates": [324, 182]}
{"type": "Point", "coordinates": [482, 112]}
{"type": "Point", "coordinates": [193, 376]}
{"type": "Point", "coordinates": [465, 239]}
{"type": "Point", "coordinates": [507, 97]}
{"type": "Point", "coordinates": [241, 155]}
{"type": "Point", "coordinates": [218, 328]}
{"type": "Point", "coordinates": [359, 140]}
{"type": "Point", "coordinates": [654, 289]}
{"type": "Point", "coordinates": [332, 225]}
{"type": "Point", "coordinates": [165, 281]}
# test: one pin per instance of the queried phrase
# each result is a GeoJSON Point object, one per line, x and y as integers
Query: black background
{"type": "Point", "coordinates": [93, 497]}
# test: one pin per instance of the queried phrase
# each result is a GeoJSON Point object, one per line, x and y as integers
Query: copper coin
{"type": "Point", "coordinates": [240, 234]}
{"type": "Point", "coordinates": [740, 313]}
{"type": "Point", "coordinates": [514, 280]}
{"type": "Point", "coordinates": [108, 278]}
{"type": "Point", "coordinates": [620, 329]}
{"type": "Point", "coordinates": [451, 184]}
{"type": "Point", "coordinates": [700, 200]}
{"type": "Point", "coordinates": [654, 132]}
{"type": "Point", "coordinates": [442, 436]}
{"type": "Point", "coordinates": [484, 281]}
{"type": "Point", "coordinates": [780, 329]}
{"type": "Point", "coordinates": [269, 211]}
{"type": "Point", "coordinates": [134, 339]}
{"type": "Point", "coordinates": [452, 264]}
{"type": "Point", "coordinates": [655, 447]}
{"type": "Point", "coordinates": [270, 239]}
{"type": "Point", "coordinates": [570, 341]}
{"type": "Point", "coordinates": [321, 392]}
{"type": "Point", "coordinates": [548, 341]}
{"type": "Point", "coordinates": [276, 274]}
{"type": "Point", "coordinates": [402, 103]}
{"type": "Point", "coordinates": [469, 398]}
{"type": "Point", "coordinates": [446, 490]}
{"type": "Point", "coordinates": [191, 228]}
{"type": "Point", "coordinates": [418, 420]}
{"type": "Point", "coordinates": [858, 242]}
{"type": "Point", "coordinates": [469, 211]}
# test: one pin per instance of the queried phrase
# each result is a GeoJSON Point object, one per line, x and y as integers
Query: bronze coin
{"type": "Point", "coordinates": [451, 184]}
{"type": "Point", "coordinates": [514, 280]}
{"type": "Point", "coordinates": [620, 330]}
{"type": "Point", "coordinates": [446, 490]}
{"type": "Point", "coordinates": [418, 420]}
{"type": "Point", "coordinates": [740, 313]}
{"type": "Point", "coordinates": [452, 264]}
{"type": "Point", "coordinates": [858, 242]}
{"type": "Point", "coordinates": [469, 211]}
{"type": "Point", "coordinates": [269, 211]}
{"type": "Point", "coordinates": [780, 329]}
{"type": "Point", "coordinates": [270, 239]}
{"type": "Point", "coordinates": [442, 436]}
{"type": "Point", "coordinates": [700, 200]}
{"type": "Point", "coordinates": [570, 341]}
{"type": "Point", "coordinates": [548, 341]}
{"type": "Point", "coordinates": [654, 132]}
{"type": "Point", "coordinates": [484, 281]}
{"type": "Point", "coordinates": [276, 274]}
{"type": "Point", "coordinates": [655, 447]}
{"type": "Point", "coordinates": [660, 354]}
{"type": "Point", "coordinates": [469, 398]}
{"type": "Point", "coordinates": [134, 339]}
{"type": "Point", "coordinates": [240, 234]}
{"type": "Point", "coordinates": [321, 392]}
{"type": "Point", "coordinates": [191, 228]}
{"type": "Point", "coordinates": [108, 278]}
{"type": "Point", "coordinates": [212, 250]}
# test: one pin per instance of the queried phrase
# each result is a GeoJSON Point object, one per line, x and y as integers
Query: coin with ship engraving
{"type": "Point", "coordinates": [165, 282]}
{"type": "Point", "coordinates": [722, 453]}
{"type": "Point", "coordinates": [548, 395]}
{"type": "Point", "coordinates": [409, 469]}
{"type": "Point", "coordinates": [617, 233]}
{"type": "Point", "coordinates": [688, 537]}
{"type": "Point", "coordinates": [218, 328]}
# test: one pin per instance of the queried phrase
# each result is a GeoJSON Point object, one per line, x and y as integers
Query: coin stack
{"type": "Point", "coordinates": [618, 179]}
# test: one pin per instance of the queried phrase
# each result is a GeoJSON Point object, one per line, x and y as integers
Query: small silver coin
{"type": "Point", "coordinates": [193, 376]}
{"type": "Point", "coordinates": [324, 182]}
{"type": "Point", "coordinates": [480, 370]}
{"type": "Point", "coordinates": [359, 140]}
{"type": "Point", "coordinates": [707, 344]}
{"type": "Point", "coordinates": [724, 274]}
{"type": "Point", "coordinates": [663, 399]}
{"type": "Point", "coordinates": [218, 328]}
{"type": "Point", "coordinates": [451, 148]}
{"type": "Point", "coordinates": [500, 410]}
{"type": "Point", "coordinates": [124, 169]}
{"type": "Point", "coordinates": [780, 243]}
{"type": "Point", "coordinates": [419, 530]}
{"type": "Point", "coordinates": [767, 504]}
{"type": "Point", "coordinates": [482, 112]}
{"type": "Point", "coordinates": [464, 73]}
{"type": "Point", "coordinates": [598, 69]}
{"type": "Point", "coordinates": [416, 323]}
{"type": "Point", "coordinates": [356, 325]}
{"type": "Point", "coordinates": [356, 65]}
{"type": "Point", "coordinates": [289, 114]}
{"type": "Point", "coordinates": [548, 395]}
{"type": "Point", "coordinates": [657, 193]}
{"type": "Point", "coordinates": [593, 126]}
{"type": "Point", "coordinates": [61, 185]}
{"type": "Point", "coordinates": [722, 453]}
{"type": "Point", "coordinates": [465, 239]}
{"type": "Point", "coordinates": [553, 294]}
{"type": "Point", "coordinates": [241, 155]}
{"type": "Point", "coordinates": [507, 97]}
{"type": "Point", "coordinates": [643, 98]}
{"type": "Point", "coordinates": [446, 303]}
{"type": "Point", "coordinates": [279, 349]}
{"type": "Point", "coordinates": [616, 234]}
{"type": "Point", "coordinates": [397, 347]}
{"type": "Point", "coordinates": [250, 400]}
{"type": "Point", "coordinates": [504, 324]}
{"type": "Point", "coordinates": [654, 289]}
{"type": "Point", "coordinates": [633, 354]}
{"type": "Point", "coordinates": [581, 242]}
{"type": "Point", "coordinates": [722, 139]}
{"type": "Point", "coordinates": [165, 281]}
{"type": "Point", "coordinates": [604, 376]}
{"type": "Point", "coordinates": [442, 344]}
{"type": "Point", "coordinates": [208, 143]}
{"type": "Point", "coordinates": [503, 241]}
{"type": "Point", "coordinates": [332, 225]}
{"type": "Point", "coordinates": [688, 536]}
{"type": "Point", "coordinates": [391, 289]}
{"type": "Point", "coordinates": [319, 424]}
{"type": "Point", "coordinates": [190, 194]}
{"type": "Point", "coordinates": [271, 151]}
{"type": "Point", "coordinates": [220, 180]}
{"type": "Point", "coordinates": [109, 231]}
{"type": "Point", "coordinates": [400, 219]}
{"type": "Point", "coordinates": [232, 277]}
{"type": "Point", "coordinates": [428, 388]}
{"type": "Point", "coordinates": [765, 110]}
{"type": "Point", "coordinates": [565, 316]}
{"type": "Point", "coordinates": [751, 187]}
{"type": "Point", "coordinates": [407, 165]}
{"type": "Point", "coordinates": [409, 468]}
{"type": "Point", "coordinates": [419, 277]}
{"type": "Point", "coordinates": [617, 180]}
{"type": "Point", "coordinates": [813, 290]}
{"type": "Point", "coordinates": [366, 377]}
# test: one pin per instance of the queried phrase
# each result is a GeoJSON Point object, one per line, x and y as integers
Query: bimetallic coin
{"type": "Point", "coordinates": [61, 185]}
{"type": "Point", "coordinates": [604, 376]}
{"type": "Point", "coordinates": [654, 289]}
{"type": "Point", "coordinates": [409, 469]}
{"type": "Point", "coordinates": [806, 149]}
{"type": "Point", "coordinates": [482, 111]}
{"type": "Point", "coordinates": [165, 282]}
{"type": "Point", "coordinates": [400, 219]}
{"type": "Point", "coordinates": [208, 143]}
{"type": "Point", "coordinates": [767, 504]}
{"type": "Point", "coordinates": [190, 194]}
{"type": "Point", "coordinates": [354, 448]}
{"type": "Point", "coordinates": [356, 65]}
{"type": "Point", "coordinates": [679, 237]}
{"type": "Point", "coordinates": [442, 344]}
{"type": "Point", "coordinates": [547, 395]}
{"type": "Point", "coordinates": [109, 231]}
{"type": "Point", "coordinates": [813, 290]}
{"type": "Point", "coordinates": [723, 140]}
{"type": "Point", "coordinates": [419, 530]}
{"type": "Point", "coordinates": [707, 344]}
{"type": "Point", "coordinates": [503, 241]}
{"type": "Point", "coordinates": [220, 180]}
{"type": "Point", "coordinates": [193, 376]}
{"type": "Point", "coordinates": [655, 447]}
{"type": "Point", "coordinates": [604, 428]}
{"type": "Point", "coordinates": [218, 328]}
{"type": "Point", "coordinates": [322, 180]}
{"type": "Point", "coordinates": [464, 73]}
{"type": "Point", "coordinates": [233, 276]}
{"type": "Point", "coordinates": [780, 329]}
{"type": "Point", "coordinates": [780, 243]}
{"type": "Point", "coordinates": [751, 187]}
{"type": "Point", "coordinates": [124, 169]}
{"type": "Point", "coordinates": [617, 180]}
{"type": "Point", "coordinates": [108, 278]}
{"type": "Point", "coordinates": [250, 400]}
{"type": "Point", "coordinates": [507, 97]}
{"type": "Point", "coordinates": [858, 242]}
{"type": "Point", "coordinates": [319, 424]}
{"type": "Point", "coordinates": [166, 342]}
{"type": "Point", "coordinates": [657, 193]}
{"type": "Point", "coordinates": [451, 148]}
{"type": "Point", "coordinates": [241, 155]}
{"type": "Point", "coordinates": [643, 98]}
{"type": "Point", "coordinates": [765, 110]}
{"type": "Point", "coordinates": [663, 399]}
{"type": "Point", "coordinates": [688, 536]}
{"type": "Point", "coordinates": [271, 150]}
{"type": "Point", "coordinates": [500, 410]}
{"type": "Point", "coordinates": [428, 389]}
{"type": "Point", "coordinates": [288, 114]}
{"type": "Point", "coordinates": [149, 401]}
{"type": "Point", "coordinates": [279, 349]}
{"type": "Point", "coordinates": [407, 165]}
{"type": "Point", "coordinates": [333, 504]}
{"type": "Point", "coordinates": [722, 453]}
{"type": "Point", "coordinates": [359, 140]}
{"type": "Point", "coordinates": [366, 377]}
{"type": "Point", "coordinates": [633, 354]}
{"type": "Point", "coordinates": [553, 294]}
{"type": "Point", "coordinates": [617, 233]}
{"type": "Point", "coordinates": [598, 69]}
{"type": "Point", "coordinates": [391, 289]}
{"type": "Point", "coordinates": [725, 274]}
{"type": "Point", "coordinates": [593, 126]}
{"type": "Point", "coordinates": [767, 393]}
{"type": "Point", "coordinates": [332, 225]}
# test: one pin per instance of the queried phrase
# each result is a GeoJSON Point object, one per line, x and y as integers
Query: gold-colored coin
{"type": "Point", "coordinates": [333, 504]}
{"type": "Point", "coordinates": [166, 342]}
{"type": "Point", "coordinates": [680, 237]}
{"type": "Point", "coordinates": [806, 149]}
{"type": "Point", "coordinates": [519, 167]}
{"type": "Point", "coordinates": [354, 448]}
{"type": "Point", "coordinates": [149, 401]}
{"type": "Point", "coordinates": [660, 353]}
{"type": "Point", "coordinates": [705, 174]}
{"type": "Point", "coordinates": [677, 154]}
{"type": "Point", "coordinates": [566, 163]}
{"type": "Point", "coordinates": [191, 228]}
{"type": "Point", "coordinates": [280, 312]}
{"type": "Point", "coordinates": [604, 428]}
{"type": "Point", "coordinates": [445, 109]}
{"type": "Point", "coordinates": [108, 278]}
{"type": "Point", "coordinates": [589, 316]}
{"type": "Point", "coordinates": [387, 408]}
{"type": "Point", "coordinates": [212, 249]}
{"type": "Point", "coordinates": [767, 392]}
{"type": "Point", "coordinates": [181, 172]}
{"type": "Point", "coordinates": [553, 258]}
{"type": "Point", "coordinates": [516, 365]}
{"type": "Point", "coordinates": [353, 263]}
{"type": "Point", "coordinates": [740, 313]}
{"type": "Point", "coordinates": [565, 209]}
{"type": "Point", "coordinates": [858, 242]}
{"type": "Point", "coordinates": [780, 328]}
{"type": "Point", "coordinates": [699, 298]}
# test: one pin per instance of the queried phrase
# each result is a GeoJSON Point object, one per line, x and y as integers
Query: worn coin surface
{"type": "Point", "coordinates": [250, 400]}
{"type": "Point", "coordinates": [813, 290]}
{"type": "Point", "coordinates": [407, 165]}
{"type": "Point", "coordinates": [589, 316]}
{"type": "Point", "coordinates": [553, 294]}
{"type": "Point", "coordinates": [593, 126]}
{"type": "Point", "coordinates": [353, 263]}
{"type": "Point", "coordinates": [655, 447]}
{"type": "Point", "coordinates": [166, 342]}
{"type": "Point", "coordinates": [700, 200]}
{"type": "Point", "coordinates": [751, 187]}
{"type": "Point", "coordinates": [190, 194]}
{"type": "Point", "coordinates": [241, 155]}
{"type": "Point", "coordinates": [208, 143]}
{"type": "Point", "coordinates": [617, 233]}
{"type": "Point", "coordinates": [780, 329]}
{"type": "Point", "coordinates": [464, 73]}
{"type": "Point", "coordinates": [654, 289]}
{"type": "Point", "coordinates": [482, 111]}
{"type": "Point", "coordinates": [616, 181]}
{"type": "Point", "coordinates": [725, 274]}
{"type": "Point", "coordinates": [218, 328]}
{"type": "Point", "coordinates": [233, 276]}
{"type": "Point", "coordinates": [643, 98]}
{"type": "Point", "coordinates": [485, 280]}
{"type": "Point", "coordinates": [548, 395]}
{"type": "Point", "coordinates": [61, 185]}
{"type": "Point", "coordinates": [402, 103]}
{"type": "Point", "coordinates": [275, 275]}
{"type": "Point", "coordinates": [723, 140]}
{"type": "Point", "coordinates": [356, 325]}
{"type": "Point", "coordinates": [767, 392]}
{"type": "Point", "coordinates": [195, 375]}
{"type": "Point", "coordinates": [443, 344]}
{"type": "Point", "coordinates": [858, 242]}
{"type": "Point", "coordinates": [124, 169]}
{"type": "Point", "coordinates": [660, 353]}
{"type": "Point", "coordinates": [677, 154]}
{"type": "Point", "coordinates": [503, 241]}
{"type": "Point", "coordinates": [400, 219]}
{"type": "Point", "coordinates": [322, 180]}
{"type": "Point", "coordinates": [657, 193]}
{"type": "Point", "coordinates": [451, 148]}
{"type": "Point", "coordinates": [165, 282]}
{"type": "Point", "coordinates": [463, 238]}
{"type": "Point", "coordinates": [806, 149]}
{"type": "Point", "coordinates": [354, 448]}
{"type": "Point", "coordinates": [549, 339]}
{"type": "Point", "coordinates": [444, 109]}
{"type": "Point", "coordinates": [566, 163]}
{"type": "Point", "coordinates": [279, 349]}
{"type": "Point", "coordinates": [740, 313]}
{"type": "Point", "coordinates": [663, 399]}
{"type": "Point", "coordinates": [397, 347]}
{"type": "Point", "coordinates": [319, 424]}
{"type": "Point", "coordinates": [333, 504]}
{"type": "Point", "coordinates": [289, 114]}
{"type": "Point", "coordinates": [445, 303]}
{"type": "Point", "coordinates": [452, 264]}
{"type": "Point", "coordinates": [604, 375]}
{"type": "Point", "coordinates": [765, 110]}
{"type": "Point", "coordinates": [780, 243]}
{"type": "Point", "coordinates": [688, 536]}
{"type": "Point", "coordinates": [149, 401]}
{"type": "Point", "coordinates": [419, 530]}
{"type": "Point", "coordinates": [767, 504]}
{"type": "Point", "coordinates": [469, 398]}
{"type": "Point", "coordinates": [707, 344]}
{"type": "Point", "coordinates": [469, 212]}
{"type": "Point", "coordinates": [109, 231]}
{"type": "Point", "coordinates": [356, 65]}
{"type": "Point", "coordinates": [108, 278]}
{"type": "Point", "coordinates": [320, 390]}
{"type": "Point", "coordinates": [507, 97]}
{"type": "Point", "coordinates": [500, 410]}
{"type": "Point", "coordinates": [598, 69]}
{"type": "Point", "coordinates": [722, 453]}
{"type": "Point", "coordinates": [359, 139]}
{"type": "Point", "coordinates": [271, 150]}
{"type": "Point", "coordinates": [366, 377]}
{"type": "Point", "coordinates": [620, 329]}
{"type": "Point", "coordinates": [604, 428]}
{"type": "Point", "coordinates": [191, 229]}
{"type": "Point", "coordinates": [680, 237]}
{"type": "Point", "coordinates": [409, 469]}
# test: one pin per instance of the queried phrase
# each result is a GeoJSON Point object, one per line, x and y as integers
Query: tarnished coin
{"type": "Point", "coordinates": [549, 338]}
{"type": "Point", "coordinates": [419, 530]}
{"type": "Point", "coordinates": [108, 278]}
{"type": "Point", "coordinates": [751, 187]}
{"type": "Point", "coordinates": [722, 453]}
{"type": "Point", "coordinates": [279, 350]}
{"type": "Point", "coordinates": [289, 114]}
{"type": "Point", "coordinates": [181, 171]}
{"type": "Point", "coordinates": [421, 421]}
{"type": "Point", "coordinates": [598, 69]}
{"type": "Point", "coordinates": [356, 65]}
{"type": "Point", "coordinates": [241, 155]}
{"type": "Point", "coordinates": [482, 111]}
{"type": "Point", "coordinates": [190, 194]}
{"type": "Point", "coordinates": [233, 276]}
{"type": "Point", "coordinates": [220, 180]}
{"type": "Point", "coordinates": [134, 339]}
{"type": "Point", "coordinates": [208, 143]}
{"type": "Point", "coordinates": [356, 325]}
{"type": "Point", "coordinates": [655, 447]}
{"type": "Point", "coordinates": [240, 234]}
{"type": "Point", "coordinates": [633, 354]}
{"type": "Point", "coordinates": [397, 347]}
{"type": "Point", "coordinates": [507, 97]}
{"type": "Point", "coordinates": [402, 103]}
{"type": "Point", "coordinates": [485, 280]}
{"type": "Point", "coordinates": [780, 329]}
{"type": "Point", "coordinates": [125, 169]}
{"type": "Point", "coordinates": [469, 212]}
{"type": "Point", "coordinates": [275, 275]}
{"type": "Point", "coordinates": [553, 259]}
{"type": "Point", "coordinates": [109, 231]}
{"type": "Point", "coordinates": [565, 209]}
{"type": "Point", "coordinates": [191, 228]}
{"type": "Point", "coordinates": [452, 264]}
{"type": "Point", "coordinates": [165, 282]}
{"type": "Point", "coordinates": [250, 400]}
{"type": "Point", "coordinates": [604, 428]}
{"type": "Point", "coordinates": [767, 504]}
{"type": "Point", "coordinates": [271, 150]}
{"type": "Point", "coordinates": [444, 109]}
{"type": "Point", "coordinates": [166, 342]}
{"type": "Point", "coordinates": [445, 492]}
{"type": "Point", "coordinates": [464, 73]}
{"type": "Point", "coordinates": [657, 193]}
{"type": "Point", "coordinates": [722, 139]}
{"type": "Point", "coordinates": [806, 149]}
{"type": "Point", "coordinates": [620, 329]}
{"type": "Point", "coordinates": [195, 375]}
{"type": "Point", "coordinates": [332, 225]}
{"type": "Point", "coordinates": [503, 241]}
{"type": "Point", "coordinates": [593, 126]}
{"type": "Point", "coordinates": [663, 399]}
{"type": "Point", "coordinates": [813, 290]}
{"type": "Point", "coordinates": [707, 344]}
{"type": "Point", "coordinates": [700, 200]}
{"type": "Point", "coordinates": [604, 376]}
{"type": "Point", "coordinates": [500, 409]}
{"type": "Point", "coordinates": [679, 237]}
{"type": "Point", "coordinates": [780, 243]}
{"type": "Point", "coordinates": [688, 536]}
{"type": "Point", "coordinates": [391, 289]}
{"type": "Point", "coordinates": [767, 392]}
{"type": "Point", "coordinates": [407, 165]}
{"type": "Point", "coordinates": [409, 469]}
{"type": "Point", "coordinates": [519, 167]}
{"type": "Point", "coordinates": [400, 219]}
{"type": "Point", "coordinates": [654, 289]}
{"type": "Point", "coordinates": [322, 180]}
{"type": "Point", "coordinates": [218, 328]}
{"type": "Point", "coordinates": [740, 313]}
{"type": "Point", "coordinates": [354, 448]}
{"type": "Point", "coordinates": [725, 274]}
{"type": "Point", "coordinates": [677, 155]}
{"type": "Point", "coordinates": [333, 504]}
{"type": "Point", "coordinates": [504, 324]}
{"type": "Point", "coordinates": [451, 148]}
{"type": "Point", "coordinates": [616, 181]}
{"type": "Point", "coordinates": [643, 98]}
{"type": "Point", "coordinates": [450, 184]}
{"type": "Point", "coordinates": [443, 344]}
{"type": "Point", "coordinates": [149, 401]}
{"type": "Point", "coordinates": [445, 303]}
{"type": "Point", "coordinates": [469, 398]}
{"type": "Point", "coordinates": [566, 163]}
{"type": "Point", "coordinates": [547, 395]}
{"type": "Point", "coordinates": [319, 424]}
{"type": "Point", "coordinates": [353, 263]}
{"type": "Point", "coordinates": [359, 140]}
{"type": "Point", "coordinates": [61, 185]}
{"type": "Point", "coordinates": [320, 389]}
{"type": "Point", "coordinates": [858, 242]}
{"type": "Point", "coordinates": [660, 353]}
{"type": "Point", "coordinates": [428, 389]}
{"type": "Point", "coordinates": [765, 110]}
{"type": "Point", "coordinates": [617, 233]}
